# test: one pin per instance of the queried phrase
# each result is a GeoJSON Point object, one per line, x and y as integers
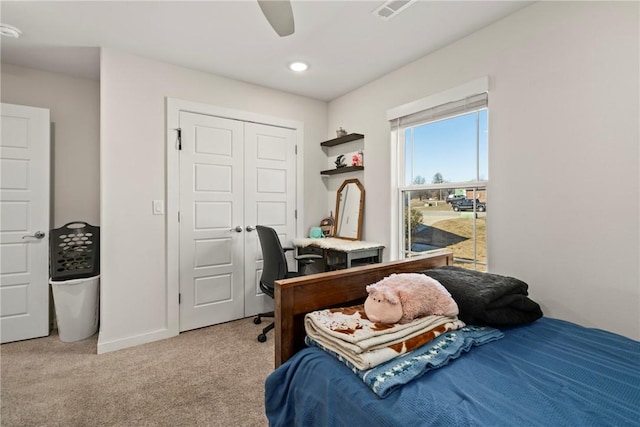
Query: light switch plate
{"type": "Point", "coordinates": [158, 207]}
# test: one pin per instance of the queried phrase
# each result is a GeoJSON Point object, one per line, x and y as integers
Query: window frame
{"type": "Point", "coordinates": [397, 145]}
{"type": "Point", "coordinates": [475, 186]}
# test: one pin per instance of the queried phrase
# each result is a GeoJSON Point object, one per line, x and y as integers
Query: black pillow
{"type": "Point", "coordinates": [487, 298]}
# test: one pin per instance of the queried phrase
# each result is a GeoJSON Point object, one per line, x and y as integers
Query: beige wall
{"type": "Point", "coordinates": [74, 105]}
{"type": "Point", "coordinates": [134, 294]}
{"type": "Point", "coordinates": [564, 128]}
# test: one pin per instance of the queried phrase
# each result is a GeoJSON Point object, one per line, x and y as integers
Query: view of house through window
{"type": "Point", "coordinates": [444, 196]}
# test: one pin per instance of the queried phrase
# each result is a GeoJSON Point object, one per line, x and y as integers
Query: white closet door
{"type": "Point", "coordinates": [211, 207]}
{"type": "Point", "coordinates": [233, 176]}
{"type": "Point", "coordinates": [270, 200]}
{"type": "Point", "coordinates": [24, 223]}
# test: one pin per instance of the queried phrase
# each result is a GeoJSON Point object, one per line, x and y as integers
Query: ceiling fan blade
{"type": "Point", "coordinates": [279, 14]}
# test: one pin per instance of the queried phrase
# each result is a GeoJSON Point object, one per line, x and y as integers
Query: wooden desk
{"type": "Point", "coordinates": [340, 253]}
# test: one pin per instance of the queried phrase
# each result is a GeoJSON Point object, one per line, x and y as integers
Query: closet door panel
{"type": "Point", "coordinates": [270, 200]}
{"type": "Point", "coordinates": [211, 207]}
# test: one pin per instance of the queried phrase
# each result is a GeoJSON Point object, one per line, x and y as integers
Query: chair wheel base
{"type": "Point", "coordinates": [257, 320]}
{"type": "Point", "coordinates": [262, 338]}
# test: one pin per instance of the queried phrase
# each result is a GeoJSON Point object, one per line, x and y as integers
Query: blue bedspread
{"type": "Point", "coordinates": [548, 373]}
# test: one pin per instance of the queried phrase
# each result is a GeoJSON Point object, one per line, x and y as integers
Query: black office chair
{"type": "Point", "coordinates": [275, 268]}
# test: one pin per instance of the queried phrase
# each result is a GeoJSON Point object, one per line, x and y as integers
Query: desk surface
{"type": "Point", "coordinates": [336, 244]}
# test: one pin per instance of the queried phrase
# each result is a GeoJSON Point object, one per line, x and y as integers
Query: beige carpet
{"type": "Point", "coordinates": [208, 377]}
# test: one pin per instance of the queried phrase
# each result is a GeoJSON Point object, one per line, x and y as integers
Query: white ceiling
{"type": "Point", "coordinates": [345, 45]}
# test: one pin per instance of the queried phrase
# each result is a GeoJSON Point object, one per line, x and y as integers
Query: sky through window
{"type": "Point", "coordinates": [448, 147]}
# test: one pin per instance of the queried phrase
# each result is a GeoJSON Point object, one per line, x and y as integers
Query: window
{"type": "Point", "coordinates": [442, 156]}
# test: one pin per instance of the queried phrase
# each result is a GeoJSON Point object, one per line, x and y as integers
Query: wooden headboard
{"type": "Point", "coordinates": [297, 296]}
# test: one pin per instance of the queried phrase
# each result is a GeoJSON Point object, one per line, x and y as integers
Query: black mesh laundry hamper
{"type": "Point", "coordinates": [74, 251]}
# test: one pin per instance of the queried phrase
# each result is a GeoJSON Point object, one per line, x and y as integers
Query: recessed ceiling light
{"type": "Point", "coordinates": [9, 31]}
{"type": "Point", "coordinates": [298, 66]}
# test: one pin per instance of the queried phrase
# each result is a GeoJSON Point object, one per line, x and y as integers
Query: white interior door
{"type": "Point", "coordinates": [211, 198]}
{"type": "Point", "coordinates": [270, 200]}
{"type": "Point", "coordinates": [24, 222]}
{"type": "Point", "coordinates": [233, 175]}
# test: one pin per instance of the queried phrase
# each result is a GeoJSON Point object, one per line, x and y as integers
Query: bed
{"type": "Point", "coordinates": [547, 372]}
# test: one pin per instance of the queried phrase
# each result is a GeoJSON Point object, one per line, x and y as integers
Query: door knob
{"type": "Point", "coordinates": [238, 229]}
{"type": "Point", "coordinates": [36, 235]}
{"type": "Point", "coordinates": [250, 228]}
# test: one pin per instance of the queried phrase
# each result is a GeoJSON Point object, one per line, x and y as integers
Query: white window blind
{"type": "Point", "coordinates": [439, 112]}
{"type": "Point", "coordinates": [442, 104]}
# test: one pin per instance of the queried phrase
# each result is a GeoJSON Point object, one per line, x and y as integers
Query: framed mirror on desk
{"type": "Point", "coordinates": [349, 210]}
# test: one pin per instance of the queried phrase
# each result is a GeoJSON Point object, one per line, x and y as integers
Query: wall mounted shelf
{"type": "Point", "coordinates": [337, 141]}
{"type": "Point", "coordinates": [342, 140]}
{"type": "Point", "coordinates": [342, 170]}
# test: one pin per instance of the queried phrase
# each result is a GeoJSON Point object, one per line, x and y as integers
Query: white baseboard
{"type": "Point", "coordinates": [119, 344]}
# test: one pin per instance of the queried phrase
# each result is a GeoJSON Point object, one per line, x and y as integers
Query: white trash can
{"type": "Point", "coordinates": [77, 307]}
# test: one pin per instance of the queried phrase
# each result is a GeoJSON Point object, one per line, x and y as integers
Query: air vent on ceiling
{"type": "Point", "coordinates": [391, 8]}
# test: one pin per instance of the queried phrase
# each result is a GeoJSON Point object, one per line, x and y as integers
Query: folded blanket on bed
{"type": "Point", "coordinates": [486, 298]}
{"type": "Point", "coordinates": [388, 376]}
{"type": "Point", "coordinates": [366, 344]}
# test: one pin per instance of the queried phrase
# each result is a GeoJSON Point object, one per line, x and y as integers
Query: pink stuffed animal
{"type": "Point", "coordinates": [400, 298]}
